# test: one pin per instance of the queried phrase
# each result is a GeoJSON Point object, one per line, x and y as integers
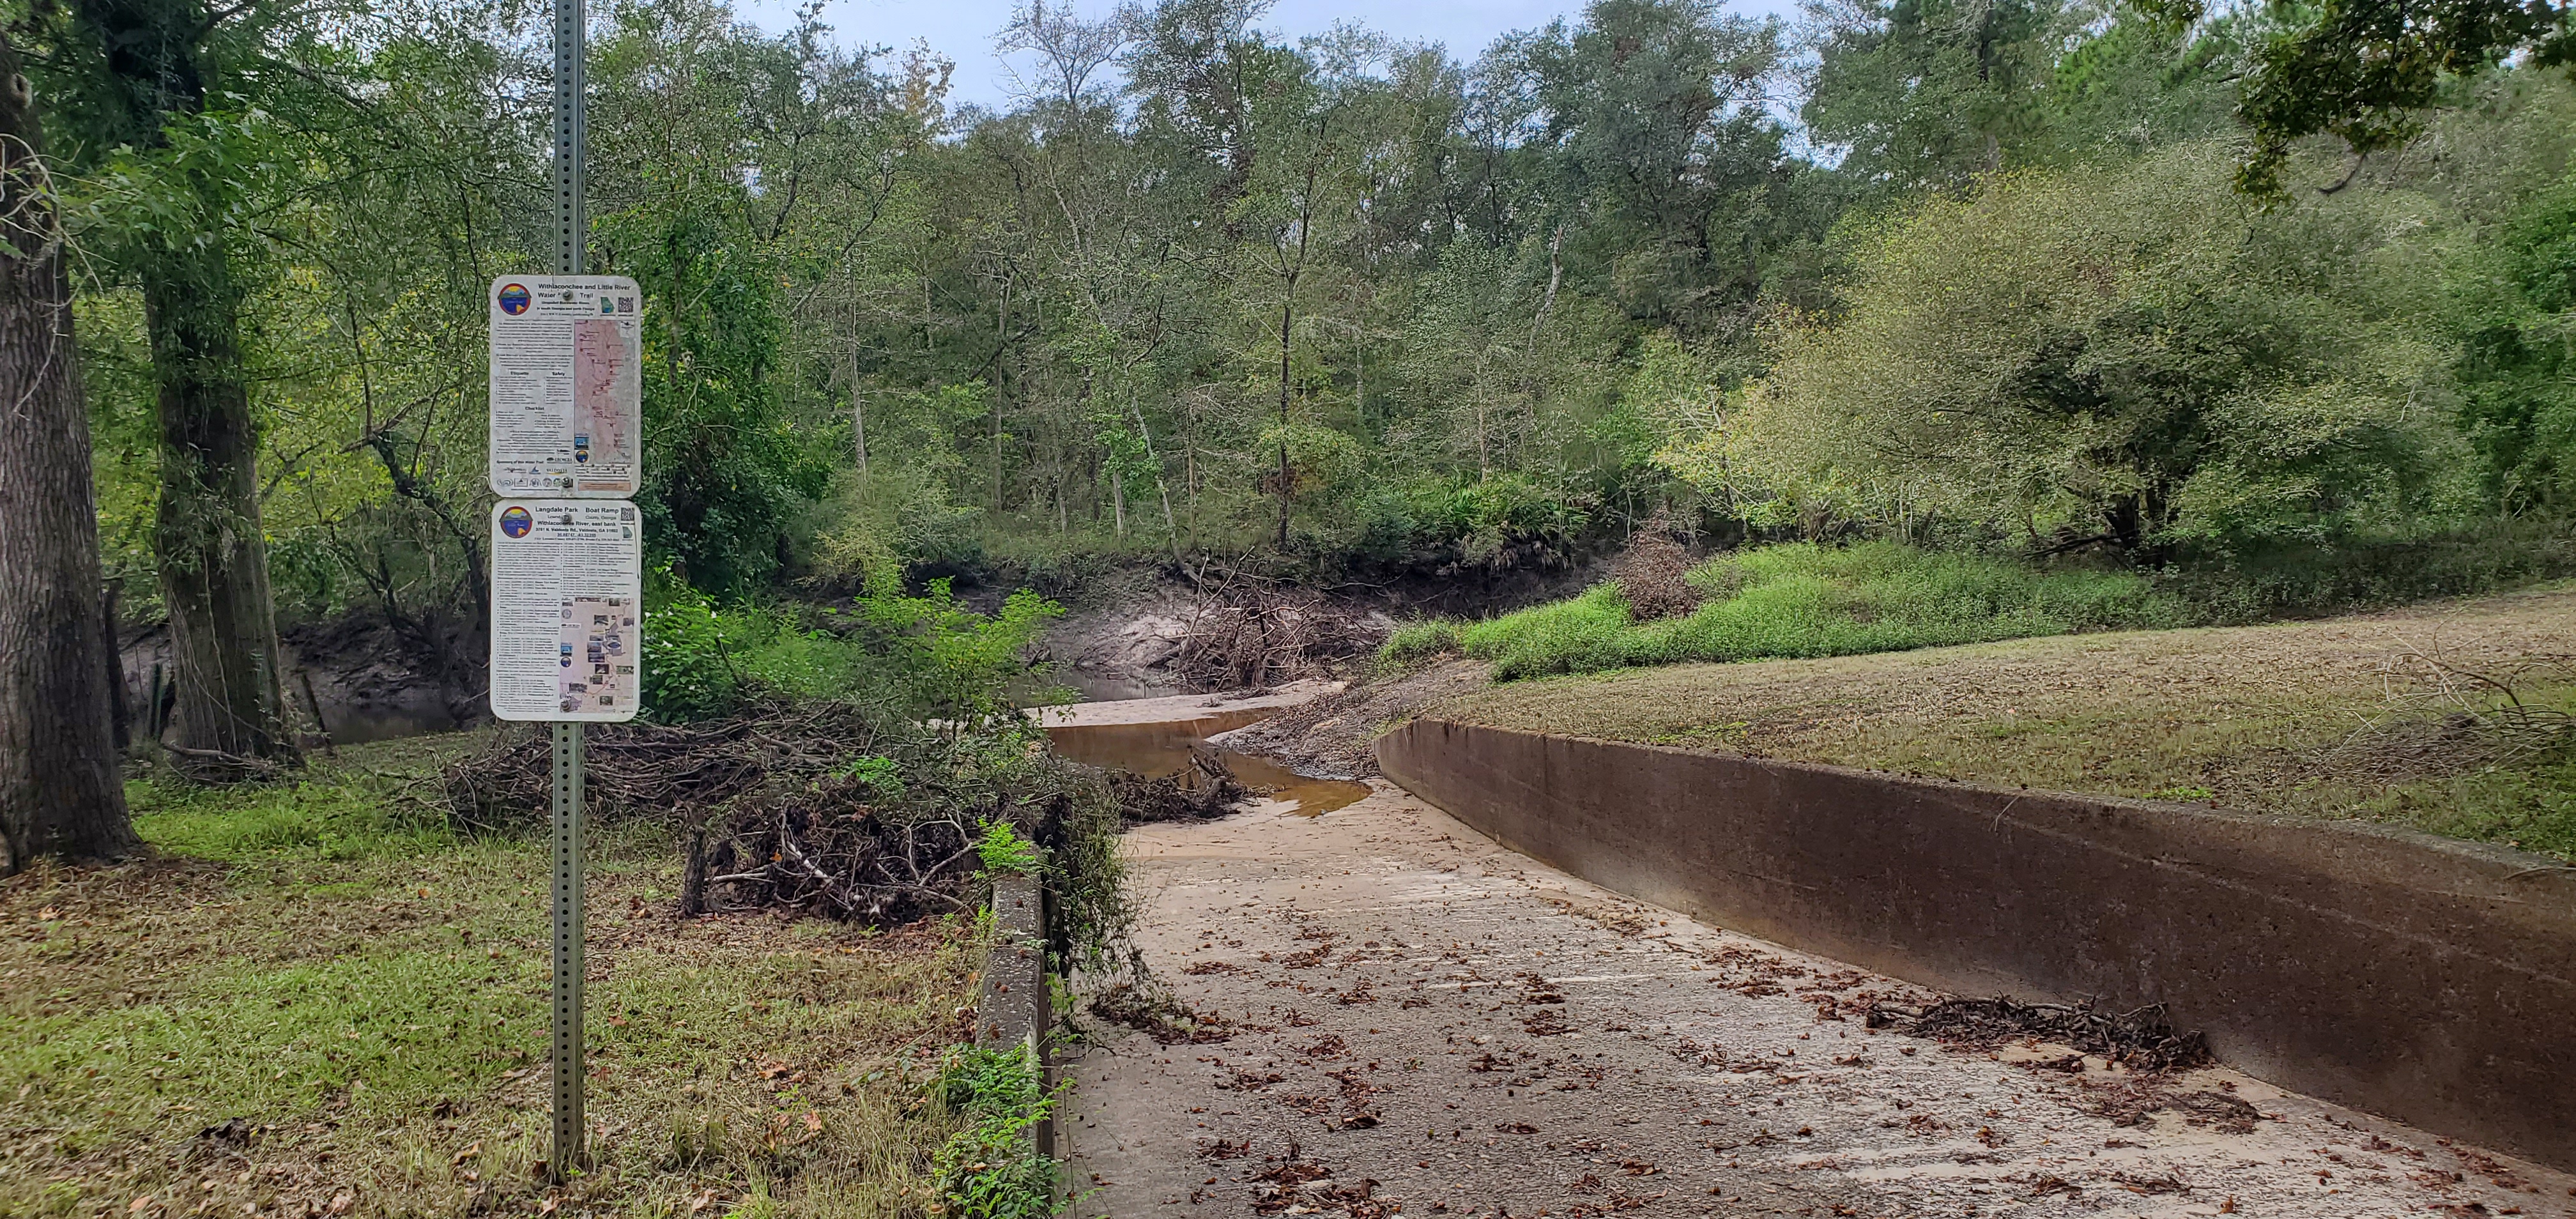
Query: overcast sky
{"type": "Point", "coordinates": [963, 29]}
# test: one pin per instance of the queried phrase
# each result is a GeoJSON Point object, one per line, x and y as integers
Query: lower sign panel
{"type": "Point", "coordinates": [567, 609]}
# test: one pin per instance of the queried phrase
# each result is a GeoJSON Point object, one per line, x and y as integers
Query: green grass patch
{"type": "Point", "coordinates": [1808, 601]}
{"type": "Point", "coordinates": [2457, 719]}
{"type": "Point", "coordinates": [354, 999]}
{"type": "Point", "coordinates": [1415, 643]}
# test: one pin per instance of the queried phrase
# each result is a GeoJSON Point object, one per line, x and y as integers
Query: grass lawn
{"type": "Point", "coordinates": [2375, 716]}
{"type": "Point", "coordinates": [318, 1001]}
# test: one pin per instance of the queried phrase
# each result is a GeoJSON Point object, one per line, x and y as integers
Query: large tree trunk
{"type": "Point", "coordinates": [231, 718]}
{"type": "Point", "coordinates": [60, 793]}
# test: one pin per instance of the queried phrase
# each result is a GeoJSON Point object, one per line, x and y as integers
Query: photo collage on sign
{"type": "Point", "coordinates": [596, 654]}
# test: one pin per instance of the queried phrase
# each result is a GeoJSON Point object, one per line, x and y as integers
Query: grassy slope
{"type": "Point", "coordinates": [2342, 717]}
{"type": "Point", "coordinates": [368, 992]}
{"type": "Point", "coordinates": [1803, 600]}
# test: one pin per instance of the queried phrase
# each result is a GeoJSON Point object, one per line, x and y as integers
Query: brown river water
{"type": "Point", "coordinates": [1156, 750]}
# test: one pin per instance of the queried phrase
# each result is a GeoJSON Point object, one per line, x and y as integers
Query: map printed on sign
{"type": "Point", "coordinates": [567, 609]}
{"type": "Point", "coordinates": [567, 386]}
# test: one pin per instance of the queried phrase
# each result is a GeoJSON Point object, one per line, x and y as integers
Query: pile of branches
{"type": "Point", "coordinates": [815, 808]}
{"type": "Point", "coordinates": [2143, 1039]}
{"type": "Point", "coordinates": [838, 849]}
{"type": "Point", "coordinates": [1204, 791]}
{"type": "Point", "coordinates": [1247, 632]}
{"type": "Point", "coordinates": [2444, 717]}
{"type": "Point", "coordinates": [672, 771]}
{"type": "Point", "coordinates": [1653, 573]}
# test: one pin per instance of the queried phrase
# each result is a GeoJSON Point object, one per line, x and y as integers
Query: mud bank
{"type": "Point", "coordinates": [2424, 979]}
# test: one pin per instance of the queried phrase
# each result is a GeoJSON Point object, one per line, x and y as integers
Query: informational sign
{"type": "Point", "coordinates": [567, 609]}
{"type": "Point", "coordinates": [567, 386]}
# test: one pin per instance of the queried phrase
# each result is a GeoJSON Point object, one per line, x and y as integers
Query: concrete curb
{"type": "Point", "coordinates": [1014, 1007]}
{"type": "Point", "coordinates": [2421, 978]}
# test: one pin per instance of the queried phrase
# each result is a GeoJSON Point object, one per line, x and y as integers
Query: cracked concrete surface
{"type": "Point", "coordinates": [1420, 1022]}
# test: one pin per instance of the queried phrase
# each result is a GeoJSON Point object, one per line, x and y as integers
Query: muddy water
{"type": "Point", "coordinates": [1156, 750]}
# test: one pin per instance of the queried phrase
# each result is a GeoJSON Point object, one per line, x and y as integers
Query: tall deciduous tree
{"type": "Point", "coordinates": [59, 790]}
{"type": "Point", "coordinates": [149, 105]}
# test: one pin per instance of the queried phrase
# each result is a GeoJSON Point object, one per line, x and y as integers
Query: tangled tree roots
{"type": "Point", "coordinates": [2143, 1039]}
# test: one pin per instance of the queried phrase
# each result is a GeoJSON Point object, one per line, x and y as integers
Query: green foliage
{"type": "Point", "coordinates": [992, 1169]}
{"type": "Point", "coordinates": [923, 657]}
{"type": "Point", "coordinates": [1005, 852]}
{"type": "Point", "coordinates": [1806, 601]}
{"type": "Point", "coordinates": [2518, 363]}
{"type": "Point", "coordinates": [882, 774]}
{"type": "Point", "coordinates": [722, 470]}
{"type": "Point", "coordinates": [2252, 584]}
{"type": "Point", "coordinates": [2125, 356]}
{"type": "Point", "coordinates": [2365, 71]}
{"type": "Point", "coordinates": [1416, 642]}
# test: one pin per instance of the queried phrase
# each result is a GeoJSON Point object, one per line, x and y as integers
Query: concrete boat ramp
{"type": "Point", "coordinates": [1409, 1019]}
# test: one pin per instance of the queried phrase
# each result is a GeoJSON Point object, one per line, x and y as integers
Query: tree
{"type": "Point", "coordinates": [2365, 70]}
{"type": "Point", "coordinates": [60, 793]}
{"type": "Point", "coordinates": [1665, 153]}
{"type": "Point", "coordinates": [2125, 357]}
{"type": "Point", "coordinates": [151, 106]}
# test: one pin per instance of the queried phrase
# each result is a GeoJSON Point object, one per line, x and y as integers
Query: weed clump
{"type": "Point", "coordinates": [1417, 643]}
{"type": "Point", "coordinates": [993, 1169]}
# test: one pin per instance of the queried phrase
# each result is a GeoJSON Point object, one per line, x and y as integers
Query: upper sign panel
{"type": "Point", "coordinates": [567, 386]}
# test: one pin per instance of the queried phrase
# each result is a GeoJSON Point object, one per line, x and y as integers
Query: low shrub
{"type": "Point", "coordinates": [2325, 578]}
{"type": "Point", "coordinates": [926, 656]}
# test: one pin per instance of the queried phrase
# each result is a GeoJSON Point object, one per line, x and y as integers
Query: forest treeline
{"type": "Point", "coordinates": [2111, 281]}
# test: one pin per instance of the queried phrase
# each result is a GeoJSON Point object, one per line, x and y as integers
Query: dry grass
{"type": "Point", "coordinates": [2365, 716]}
{"type": "Point", "coordinates": [315, 1004]}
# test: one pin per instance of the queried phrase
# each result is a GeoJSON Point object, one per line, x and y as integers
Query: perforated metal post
{"type": "Point", "coordinates": [572, 136]}
{"type": "Point", "coordinates": [570, 1065]}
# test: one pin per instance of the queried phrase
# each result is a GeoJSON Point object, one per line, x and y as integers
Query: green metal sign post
{"type": "Point", "coordinates": [571, 1069]}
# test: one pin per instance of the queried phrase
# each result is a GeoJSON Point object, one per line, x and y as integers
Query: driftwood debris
{"type": "Point", "coordinates": [2143, 1039]}
{"type": "Point", "coordinates": [808, 807]}
{"type": "Point", "coordinates": [669, 771]}
{"type": "Point", "coordinates": [1248, 632]}
{"type": "Point", "coordinates": [1204, 791]}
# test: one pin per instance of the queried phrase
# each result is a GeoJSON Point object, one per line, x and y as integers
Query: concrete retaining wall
{"type": "Point", "coordinates": [1013, 1007]}
{"type": "Point", "coordinates": [2426, 980]}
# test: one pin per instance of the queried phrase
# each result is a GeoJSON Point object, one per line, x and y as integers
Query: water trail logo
{"type": "Point", "coordinates": [514, 299]}
{"type": "Point", "coordinates": [516, 522]}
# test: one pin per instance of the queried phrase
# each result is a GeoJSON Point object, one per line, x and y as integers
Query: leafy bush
{"type": "Point", "coordinates": [929, 656]}
{"type": "Point", "coordinates": [2252, 584]}
{"type": "Point", "coordinates": [993, 1169]}
{"type": "Point", "coordinates": [2123, 354]}
{"type": "Point", "coordinates": [1004, 851]}
{"type": "Point", "coordinates": [1803, 600]}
